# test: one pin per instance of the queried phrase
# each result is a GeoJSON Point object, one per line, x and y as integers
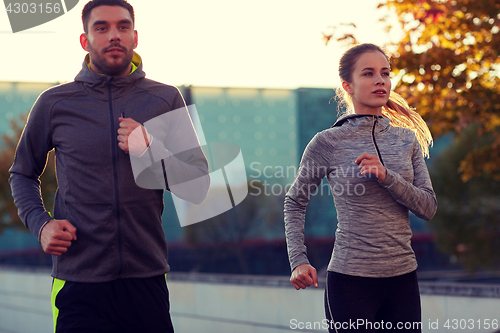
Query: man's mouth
{"type": "Point", "coordinates": [115, 50]}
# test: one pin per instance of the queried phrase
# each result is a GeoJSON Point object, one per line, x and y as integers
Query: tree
{"type": "Point", "coordinates": [8, 211]}
{"type": "Point", "coordinates": [467, 223]}
{"type": "Point", "coordinates": [449, 62]}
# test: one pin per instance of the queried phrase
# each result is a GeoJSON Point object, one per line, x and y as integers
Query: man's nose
{"type": "Point", "coordinates": [114, 35]}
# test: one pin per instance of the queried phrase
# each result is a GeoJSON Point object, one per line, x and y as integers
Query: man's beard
{"type": "Point", "coordinates": [111, 69]}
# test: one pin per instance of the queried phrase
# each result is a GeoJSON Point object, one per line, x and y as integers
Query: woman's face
{"type": "Point", "coordinates": [371, 84]}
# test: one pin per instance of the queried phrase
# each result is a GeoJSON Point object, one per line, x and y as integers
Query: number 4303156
{"type": "Point", "coordinates": [33, 8]}
{"type": "Point", "coordinates": [471, 324]}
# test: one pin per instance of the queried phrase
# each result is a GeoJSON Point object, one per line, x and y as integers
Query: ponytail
{"type": "Point", "coordinates": [403, 115]}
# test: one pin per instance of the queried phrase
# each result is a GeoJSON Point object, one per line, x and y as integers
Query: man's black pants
{"type": "Point", "coordinates": [123, 305]}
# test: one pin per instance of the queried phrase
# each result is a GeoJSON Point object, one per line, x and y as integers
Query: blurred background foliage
{"type": "Point", "coordinates": [8, 211]}
{"type": "Point", "coordinates": [449, 65]}
{"type": "Point", "coordinates": [467, 223]}
{"type": "Point", "coordinates": [233, 231]}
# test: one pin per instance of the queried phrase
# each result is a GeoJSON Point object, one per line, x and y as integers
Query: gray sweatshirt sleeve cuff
{"type": "Point", "coordinates": [36, 224]}
{"type": "Point", "coordinates": [389, 179]}
{"type": "Point", "coordinates": [41, 228]}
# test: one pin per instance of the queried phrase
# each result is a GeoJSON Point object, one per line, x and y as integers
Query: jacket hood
{"type": "Point", "coordinates": [96, 84]}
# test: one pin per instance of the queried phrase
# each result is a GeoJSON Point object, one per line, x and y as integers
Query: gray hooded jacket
{"type": "Point", "coordinates": [119, 226]}
{"type": "Point", "coordinates": [373, 233]}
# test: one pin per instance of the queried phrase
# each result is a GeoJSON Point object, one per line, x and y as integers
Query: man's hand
{"type": "Point", "coordinates": [369, 164]}
{"type": "Point", "coordinates": [130, 141]}
{"type": "Point", "coordinates": [303, 276]}
{"type": "Point", "coordinates": [56, 236]}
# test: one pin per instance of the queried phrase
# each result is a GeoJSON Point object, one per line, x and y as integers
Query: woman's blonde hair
{"type": "Point", "coordinates": [396, 109]}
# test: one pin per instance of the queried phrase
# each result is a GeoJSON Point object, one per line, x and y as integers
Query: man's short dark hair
{"type": "Point", "coordinates": [96, 3]}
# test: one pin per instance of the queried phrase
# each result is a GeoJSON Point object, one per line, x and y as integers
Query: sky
{"type": "Point", "coordinates": [223, 43]}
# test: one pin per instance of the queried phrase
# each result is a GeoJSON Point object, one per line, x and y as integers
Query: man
{"type": "Point", "coordinates": [109, 250]}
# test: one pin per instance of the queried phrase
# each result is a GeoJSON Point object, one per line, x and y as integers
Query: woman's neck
{"type": "Point", "coordinates": [366, 109]}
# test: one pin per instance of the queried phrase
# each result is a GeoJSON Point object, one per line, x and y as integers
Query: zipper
{"type": "Point", "coordinates": [375, 121]}
{"type": "Point", "coordinates": [115, 177]}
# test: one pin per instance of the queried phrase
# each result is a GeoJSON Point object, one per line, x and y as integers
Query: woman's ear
{"type": "Point", "coordinates": [347, 87]}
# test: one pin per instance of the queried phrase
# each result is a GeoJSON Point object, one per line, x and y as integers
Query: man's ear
{"type": "Point", "coordinates": [347, 87]}
{"type": "Point", "coordinates": [136, 39]}
{"type": "Point", "coordinates": [84, 42]}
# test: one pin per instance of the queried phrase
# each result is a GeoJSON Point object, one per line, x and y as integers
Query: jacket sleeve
{"type": "Point", "coordinates": [174, 160]}
{"type": "Point", "coordinates": [29, 162]}
{"type": "Point", "coordinates": [313, 168]}
{"type": "Point", "coordinates": [418, 197]}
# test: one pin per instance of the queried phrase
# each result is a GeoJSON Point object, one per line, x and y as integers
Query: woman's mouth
{"type": "Point", "coordinates": [380, 92]}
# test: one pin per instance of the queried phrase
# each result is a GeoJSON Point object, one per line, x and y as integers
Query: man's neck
{"type": "Point", "coordinates": [129, 71]}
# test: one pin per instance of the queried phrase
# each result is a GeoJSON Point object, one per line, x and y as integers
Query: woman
{"type": "Point", "coordinates": [373, 159]}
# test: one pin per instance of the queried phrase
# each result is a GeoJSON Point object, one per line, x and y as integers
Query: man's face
{"type": "Point", "coordinates": [110, 40]}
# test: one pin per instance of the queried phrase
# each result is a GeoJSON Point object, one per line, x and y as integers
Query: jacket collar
{"type": "Point", "coordinates": [97, 84]}
{"type": "Point", "coordinates": [361, 119]}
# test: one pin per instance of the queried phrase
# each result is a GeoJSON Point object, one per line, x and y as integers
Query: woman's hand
{"type": "Point", "coordinates": [303, 276]}
{"type": "Point", "coordinates": [369, 164]}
